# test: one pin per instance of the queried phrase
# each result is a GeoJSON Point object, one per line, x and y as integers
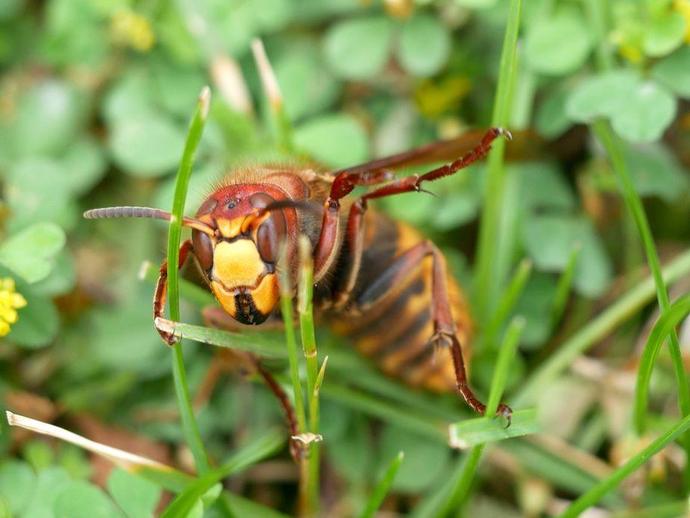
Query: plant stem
{"type": "Point", "coordinates": [592, 496]}
{"type": "Point", "coordinates": [306, 324]}
{"type": "Point", "coordinates": [613, 148]}
{"type": "Point", "coordinates": [304, 502]}
{"type": "Point", "coordinates": [189, 424]}
{"type": "Point", "coordinates": [488, 280]}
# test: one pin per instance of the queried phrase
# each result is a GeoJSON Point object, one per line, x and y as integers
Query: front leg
{"type": "Point", "coordinates": [162, 290]}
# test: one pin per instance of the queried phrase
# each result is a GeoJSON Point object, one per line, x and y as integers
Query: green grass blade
{"type": "Point", "coordinates": [487, 281]}
{"type": "Point", "coordinates": [382, 488]}
{"type": "Point", "coordinates": [189, 424]}
{"type": "Point", "coordinates": [252, 453]}
{"type": "Point", "coordinates": [291, 341]}
{"type": "Point", "coordinates": [626, 306]}
{"type": "Point", "coordinates": [306, 324]}
{"type": "Point", "coordinates": [260, 343]}
{"type": "Point", "coordinates": [565, 283]}
{"type": "Point", "coordinates": [458, 492]}
{"type": "Point", "coordinates": [473, 432]}
{"type": "Point", "coordinates": [595, 494]}
{"type": "Point", "coordinates": [394, 414]}
{"type": "Point", "coordinates": [666, 323]}
{"type": "Point", "coordinates": [613, 146]}
{"type": "Point", "coordinates": [507, 302]}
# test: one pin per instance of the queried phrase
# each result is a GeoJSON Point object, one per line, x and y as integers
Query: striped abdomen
{"type": "Point", "coordinates": [391, 322]}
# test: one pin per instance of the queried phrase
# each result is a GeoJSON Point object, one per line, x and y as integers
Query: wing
{"type": "Point", "coordinates": [441, 151]}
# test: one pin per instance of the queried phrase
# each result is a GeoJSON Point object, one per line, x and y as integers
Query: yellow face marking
{"type": "Point", "coordinates": [229, 228]}
{"type": "Point", "coordinates": [237, 263]}
{"type": "Point", "coordinates": [266, 294]}
{"type": "Point", "coordinates": [227, 300]}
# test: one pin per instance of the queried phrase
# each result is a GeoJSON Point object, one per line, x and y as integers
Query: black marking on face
{"type": "Point", "coordinates": [246, 311]}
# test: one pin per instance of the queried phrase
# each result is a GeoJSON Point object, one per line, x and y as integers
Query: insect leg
{"type": "Point", "coordinates": [162, 290]}
{"type": "Point", "coordinates": [346, 181]}
{"type": "Point", "coordinates": [444, 325]}
{"type": "Point", "coordinates": [413, 183]}
{"type": "Point", "coordinates": [295, 449]}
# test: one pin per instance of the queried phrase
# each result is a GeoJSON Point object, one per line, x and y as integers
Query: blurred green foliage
{"type": "Point", "coordinates": [95, 96]}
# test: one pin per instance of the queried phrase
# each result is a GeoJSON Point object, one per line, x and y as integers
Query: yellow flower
{"type": "Point", "coordinates": [683, 7]}
{"type": "Point", "coordinates": [10, 301]}
{"type": "Point", "coordinates": [133, 29]}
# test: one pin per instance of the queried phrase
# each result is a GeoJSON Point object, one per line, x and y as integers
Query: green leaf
{"type": "Point", "coordinates": [425, 461]}
{"type": "Point", "coordinates": [38, 322]}
{"type": "Point", "coordinates": [48, 118]}
{"type": "Point", "coordinates": [83, 165]}
{"type": "Point", "coordinates": [655, 171]}
{"type": "Point", "coordinates": [335, 140]}
{"type": "Point", "coordinates": [49, 199]}
{"type": "Point", "coordinates": [549, 240]}
{"type": "Point", "coordinates": [136, 496]}
{"type": "Point", "coordinates": [350, 459]}
{"type": "Point", "coordinates": [307, 86]}
{"type": "Point", "coordinates": [473, 432]}
{"type": "Point", "coordinates": [650, 110]}
{"type": "Point", "coordinates": [39, 454]}
{"type": "Point", "coordinates": [31, 252]}
{"type": "Point", "coordinates": [51, 481]}
{"type": "Point", "coordinates": [424, 45]}
{"type": "Point", "coordinates": [17, 481]}
{"type": "Point", "coordinates": [146, 146]}
{"type": "Point", "coordinates": [533, 304]}
{"type": "Point", "coordinates": [543, 186]}
{"type": "Point", "coordinates": [129, 97]}
{"type": "Point", "coordinates": [674, 72]}
{"type": "Point", "coordinates": [62, 277]}
{"type": "Point", "coordinates": [664, 34]}
{"type": "Point", "coordinates": [558, 44]}
{"type": "Point", "coordinates": [358, 48]}
{"type": "Point", "coordinates": [82, 500]}
{"type": "Point", "coordinates": [602, 95]}
{"type": "Point", "coordinates": [552, 118]}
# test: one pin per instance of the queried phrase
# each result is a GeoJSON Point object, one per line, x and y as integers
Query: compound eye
{"type": "Point", "coordinates": [203, 249]}
{"type": "Point", "coordinates": [260, 200]}
{"type": "Point", "coordinates": [207, 207]}
{"type": "Point", "coordinates": [269, 236]}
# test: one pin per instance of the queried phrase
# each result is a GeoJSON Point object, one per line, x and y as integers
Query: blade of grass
{"type": "Point", "coordinates": [507, 303]}
{"type": "Point", "coordinates": [595, 494]}
{"type": "Point", "coordinates": [473, 432]}
{"type": "Point", "coordinates": [382, 488]}
{"type": "Point", "coordinates": [260, 448]}
{"type": "Point", "coordinates": [286, 292]}
{"type": "Point", "coordinates": [487, 280]}
{"type": "Point", "coordinates": [464, 476]}
{"type": "Point", "coordinates": [604, 133]}
{"type": "Point", "coordinates": [565, 283]}
{"type": "Point", "coordinates": [189, 424]}
{"type": "Point", "coordinates": [308, 336]}
{"type": "Point", "coordinates": [665, 324]}
{"type": "Point", "coordinates": [260, 343]}
{"type": "Point", "coordinates": [626, 306]}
